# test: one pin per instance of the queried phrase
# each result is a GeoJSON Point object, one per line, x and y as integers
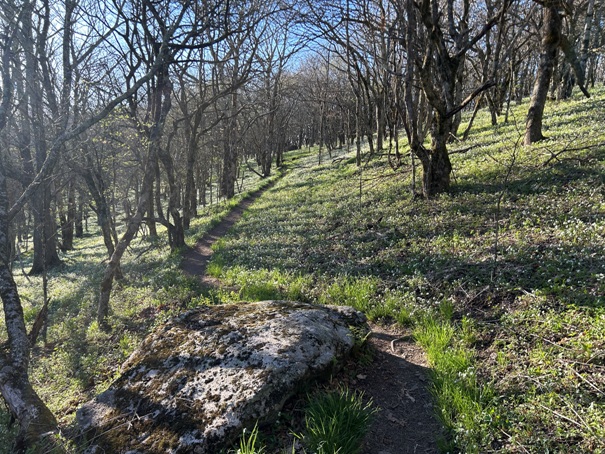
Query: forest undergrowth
{"type": "Point", "coordinates": [502, 280]}
{"type": "Point", "coordinates": [75, 360]}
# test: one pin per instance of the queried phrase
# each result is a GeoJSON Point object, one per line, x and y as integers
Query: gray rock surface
{"type": "Point", "coordinates": [198, 380]}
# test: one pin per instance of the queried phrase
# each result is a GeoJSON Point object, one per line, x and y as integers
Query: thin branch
{"type": "Point", "coordinates": [463, 150]}
{"type": "Point", "coordinates": [57, 146]}
{"type": "Point", "coordinates": [470, 97]}
{"type": "Point", "coordinates": [555, 156]}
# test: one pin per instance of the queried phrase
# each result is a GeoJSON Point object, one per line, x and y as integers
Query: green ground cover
{"type": "Point", "coordinates": [502, 281]}
{"type": "Point", "coordinates": [78, 360]}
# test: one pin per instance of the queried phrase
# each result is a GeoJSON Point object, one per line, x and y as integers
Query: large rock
{"type": "Point", "coordinates": [195, 382]}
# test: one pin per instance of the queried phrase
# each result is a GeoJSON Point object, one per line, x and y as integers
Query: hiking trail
{"type": "Point", "coordinates": [396, 379]}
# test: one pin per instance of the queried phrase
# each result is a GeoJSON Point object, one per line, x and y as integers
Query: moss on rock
{"type": "Point", "coordinates": [199, 379]}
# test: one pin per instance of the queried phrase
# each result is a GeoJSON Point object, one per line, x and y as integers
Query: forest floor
{"type": "Point", "coordinates": [395, 378]}
{"type": "Point", "coordinates": [196, 259]}
{"type": "Point", "coordinates": [500, 283]}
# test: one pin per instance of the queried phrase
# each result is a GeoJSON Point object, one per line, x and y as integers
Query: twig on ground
{"type": "Point", "coordinates": [393, 343]}
{"type": "Point", "coordinates": [588, 382]}
{"type": "Point", "coordinates": [578, 416]}
{"type": "Point", "coordinates": [562, 416]}
{"type": "Point", "coordinates": [555, 156]}
{"type": "Point", "coordinates": [515, 442]}
{"type": "Point", "coordinates": [464, 150]}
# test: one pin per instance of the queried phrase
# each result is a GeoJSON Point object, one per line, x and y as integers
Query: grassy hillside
{"type": "Point", "coordinates": [502, 280]}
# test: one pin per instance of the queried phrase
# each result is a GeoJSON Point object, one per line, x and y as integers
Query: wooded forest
{"type": "Point", "coordinates": [125, 119]}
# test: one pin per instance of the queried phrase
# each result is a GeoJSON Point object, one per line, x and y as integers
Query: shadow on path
{"type": "Point", "coordinates": [397, 381]}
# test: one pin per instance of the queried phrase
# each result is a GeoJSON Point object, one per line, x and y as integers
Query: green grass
{"type": "Point", "coordinates": [463, 402]}
{"type": "Point", "coordinates": [336, 422]}
{"type": "Point", "coordinates": [249, 443]}
{"type": "Point", "coordinates": [78, 360]}
{"type": "Point", "coordinates": [515, 341]}
{"type": "Point", "coordinates": [516, 345]}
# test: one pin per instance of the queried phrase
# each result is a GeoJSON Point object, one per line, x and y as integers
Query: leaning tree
{"type": "Point", "coordinates": [553, 39]}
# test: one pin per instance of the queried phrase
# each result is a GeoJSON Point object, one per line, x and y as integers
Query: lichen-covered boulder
{"type": "Point", "coordinates": [196, 381]}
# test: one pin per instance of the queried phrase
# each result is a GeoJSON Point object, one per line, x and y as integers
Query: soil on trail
{"type": "Point", "coordinates": [196, 260]}
{"type": "Point", "coordinates": [396, 379]}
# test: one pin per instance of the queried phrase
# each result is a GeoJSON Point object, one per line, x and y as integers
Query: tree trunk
{"type": "Point", "coordinates": [158, 191]}
{"type": "Point", "coordinates": [101, 208]}
{"type": "Point", "coordinates": [565, 88]}
{"type": "Point", "coordinates": [132, 227]}
{"type": "Point", "coordinates": [45, 241]}
{"type": "Point", "coordinates": [68, 222]}
{"type": "Point", "coordinates": [436, 163]}
{"type": "Point", "coordinates": [151, 224]}
{"type": "Point", "coordinates": [79, 220]}
{"type": "Point", "coordinates": [586, 35]}
{"type": "Point", "coordinates": [380, 123]}
{"type": "Point", "coordinates": [35, 419]}
{"type": "Point", "coordinates": [230, 154]}
{"type": "Point", "coordinates": [202, 184]}
{"type": "Point", "coordinates": [190, 205]}
{"type": "Point", "coordinates": [160, 109]}
{"type": "Point", "coordinates": [550, 43]}
{"type": "Point", "coordinates": [596, 42]}
{"type": "Point", "coordinates": [474, 115]}
{"type": "Point", "coordinates": [358, 130]}
{"type": "Point", "coordinates": [45, 246]}
{"type": "Point", "coordinates": [176, 232]}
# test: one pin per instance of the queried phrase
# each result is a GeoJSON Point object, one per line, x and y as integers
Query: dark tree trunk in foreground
{"type": "Point", "coordinates": [550, 44]}
{"type": "Point", "coordinates": [34, 418]}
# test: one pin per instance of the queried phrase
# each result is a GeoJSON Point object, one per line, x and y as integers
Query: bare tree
{"type": "Point", "coordinates": [167, 38]}
{"type": "Point", "coordinates": [35, 419]}
{"type": "Point", "coordinates": [552, 40]}
{"type": "Point", "coordinates": [32, 415]}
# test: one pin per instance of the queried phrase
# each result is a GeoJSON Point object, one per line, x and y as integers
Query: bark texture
{"type": "Point", "coordinates": [551, 39]}
{"type": "Point", "coordinates": [34, 418]}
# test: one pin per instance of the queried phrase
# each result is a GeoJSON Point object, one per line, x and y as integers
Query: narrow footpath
{"type": "Point", "coordinates": [195, 260]}
{"type": "Point", "coordinates": [396, 380]}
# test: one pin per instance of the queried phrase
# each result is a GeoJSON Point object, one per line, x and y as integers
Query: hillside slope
{"type": "Point", "coordinates": [502, 280]}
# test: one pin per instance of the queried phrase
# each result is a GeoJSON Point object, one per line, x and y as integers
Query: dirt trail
{"type": "Point", "coordinates": [196, 260]}
{"type": "Point", "coordinates": [396, 379]}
